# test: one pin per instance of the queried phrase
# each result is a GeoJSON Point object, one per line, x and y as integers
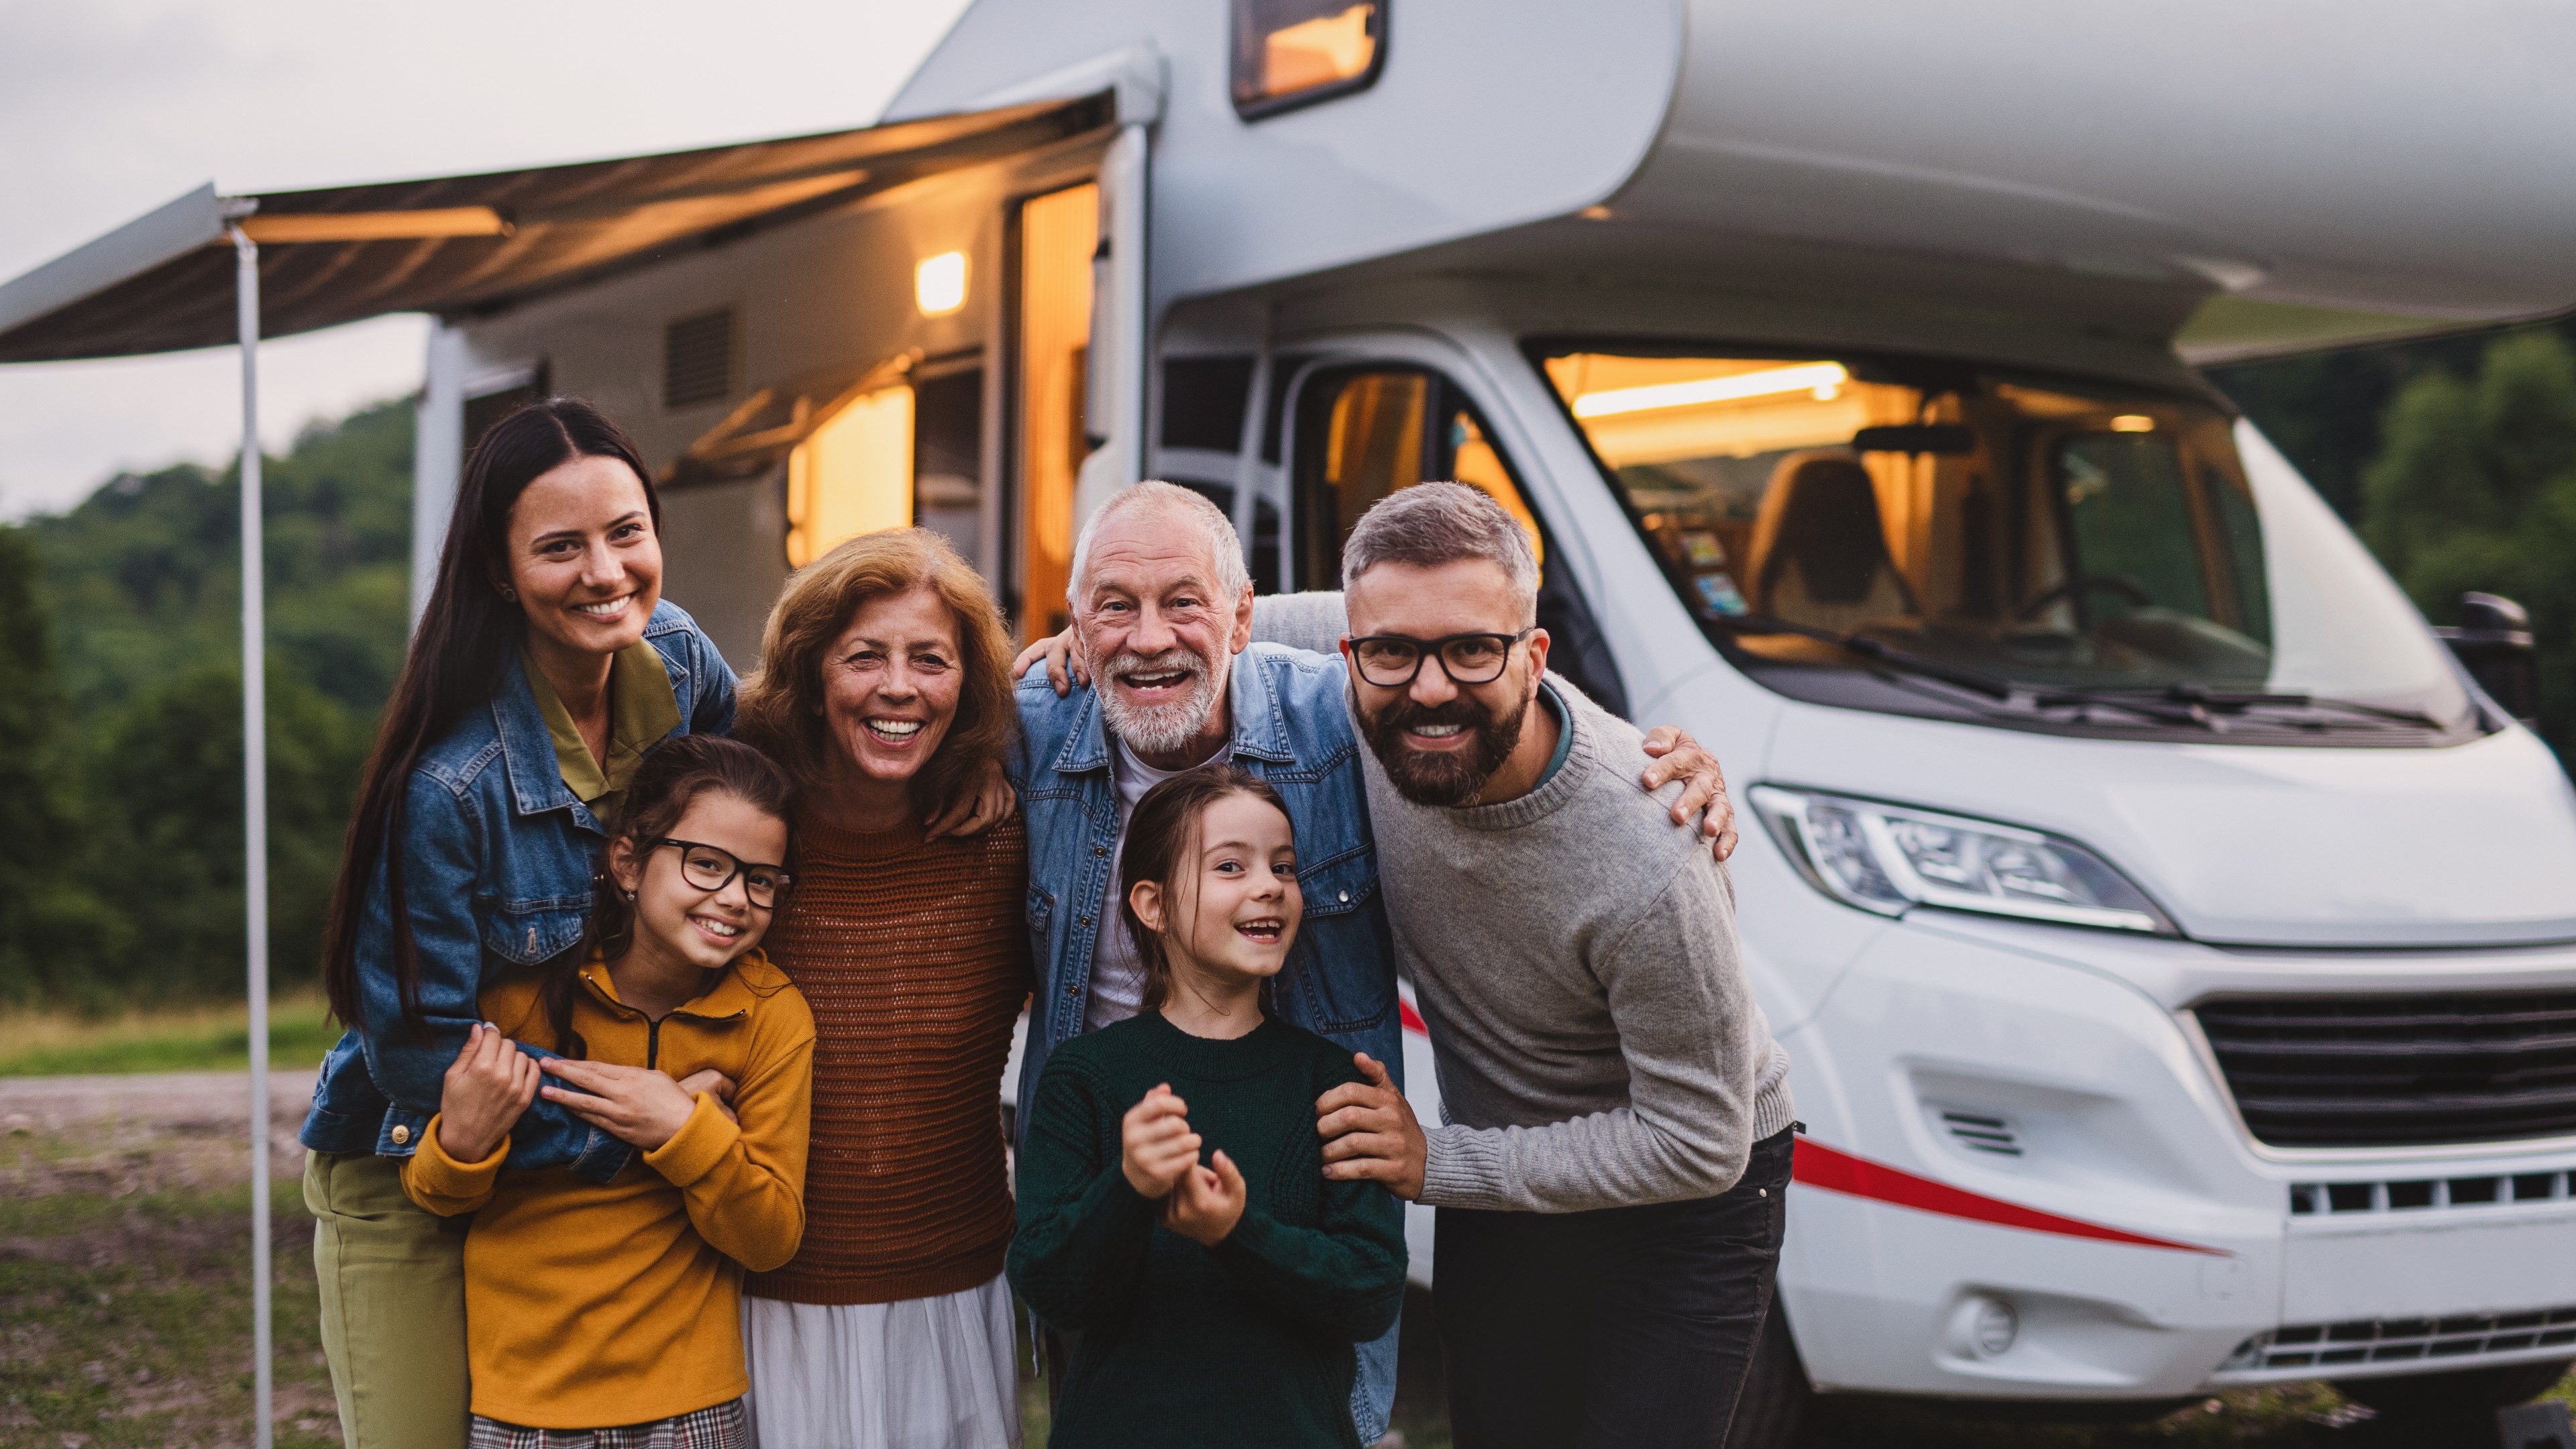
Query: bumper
{"type": "Point", "coordinates": [2027, 1182]}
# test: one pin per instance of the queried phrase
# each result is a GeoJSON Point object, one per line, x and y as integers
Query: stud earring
{"type": "Point", "coordinates": [509, 593]}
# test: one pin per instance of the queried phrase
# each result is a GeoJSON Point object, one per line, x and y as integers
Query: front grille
{"type": "Point", "coordinates": [2425, 1194]}
{"type": "Point", "coordinates": [2398, 1071]}
{"type": "Point", "coordinates": [2401, 1340]}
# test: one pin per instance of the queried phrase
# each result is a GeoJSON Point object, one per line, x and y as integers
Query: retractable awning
{"type": "Point", "coordinates": [457, 245]}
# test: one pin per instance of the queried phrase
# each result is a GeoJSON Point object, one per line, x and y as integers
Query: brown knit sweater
{"type": "Point", "coordinates": [914, 957]}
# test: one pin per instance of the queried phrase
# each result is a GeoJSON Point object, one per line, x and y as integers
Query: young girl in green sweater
{"type": "Point", "coordinates": [1174, 1214]}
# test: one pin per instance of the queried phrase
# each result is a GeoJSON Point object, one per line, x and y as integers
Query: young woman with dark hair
{"type": "Point", "coordinates": [545, 664]}
{"type": "Point", "coordinates": [1173, 1208]}
{"type": "Point", "coordinates": [597, 1306]}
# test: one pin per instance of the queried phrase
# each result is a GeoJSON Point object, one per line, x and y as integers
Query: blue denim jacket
{"type": "Point", "coordinates": [1292, 728]}
{"type": "Point", "coordinates": [498, 857]}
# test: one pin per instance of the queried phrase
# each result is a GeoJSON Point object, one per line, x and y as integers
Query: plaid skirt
{"type": "Point", "coordinates": [721, 1427]}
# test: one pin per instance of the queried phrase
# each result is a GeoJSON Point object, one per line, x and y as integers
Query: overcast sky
{"type": "Point", "coordinates": [109, 108]}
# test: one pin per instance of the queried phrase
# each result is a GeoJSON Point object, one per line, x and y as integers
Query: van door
{"type": "Point", "coordinates": [1080, 341]}
{"type": "Point", "coordinates": [1362, 431]}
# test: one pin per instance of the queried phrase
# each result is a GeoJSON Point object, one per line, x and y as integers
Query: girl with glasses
{"type": "Point", "coordinates": [592, 1306]}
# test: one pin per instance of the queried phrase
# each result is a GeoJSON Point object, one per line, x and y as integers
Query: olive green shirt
{"type": "Point", "coordinates": [641, 710]}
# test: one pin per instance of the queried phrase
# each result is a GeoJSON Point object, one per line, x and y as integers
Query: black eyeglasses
{"type": "Point", "coordinates": [1390, 661]}
{"type": "Point", "coordinates": [711, 869]}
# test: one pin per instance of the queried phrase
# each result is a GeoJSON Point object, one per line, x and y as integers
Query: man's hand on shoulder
{"type": "Point", "coordinates": [1676, 756]}
{"type": "Point", "coordinates": [1062, 655]}
{"type": "Point", "coordinates": [1370, 1133]}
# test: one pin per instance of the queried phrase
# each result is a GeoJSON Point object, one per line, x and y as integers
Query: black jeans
{"type": "Point", "coordinates": [1621, 1327]}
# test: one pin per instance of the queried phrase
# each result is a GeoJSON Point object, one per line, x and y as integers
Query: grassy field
{"type": "Point", "coordinates": [169, 1039]}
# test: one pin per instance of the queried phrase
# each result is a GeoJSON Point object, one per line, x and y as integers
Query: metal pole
{"type": "Point", "coordinates": [255, 830]}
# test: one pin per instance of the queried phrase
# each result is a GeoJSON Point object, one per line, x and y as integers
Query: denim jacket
{"type": "Point", "coordinates": [498, 857]}
{"type": "Point", "coordinates": [1292, 728]}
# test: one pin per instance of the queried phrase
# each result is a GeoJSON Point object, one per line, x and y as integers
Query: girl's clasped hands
{"type": "Point", "coordinates": [1160, 1157]}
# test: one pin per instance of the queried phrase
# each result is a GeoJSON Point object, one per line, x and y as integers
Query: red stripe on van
{"type": "Point", "coordinates": [1413, 1021]}
{"type": "Point", "coordinates": [1820, 1166]}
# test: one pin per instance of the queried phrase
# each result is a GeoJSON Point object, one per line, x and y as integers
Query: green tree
{"type": "Point", "coordinates": [51, 929]}
{"type": "Point", "coordinates": [2475, 488]}
{"type": "Point", "coordinates": [165, 809]}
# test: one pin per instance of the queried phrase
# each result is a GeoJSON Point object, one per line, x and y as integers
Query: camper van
{"type": "Point", "coordinates": [2175, 942]}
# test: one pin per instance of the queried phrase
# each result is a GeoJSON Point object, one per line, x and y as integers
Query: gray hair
{"type": "Point", "coordinates": [1430, 524]}
{"type": "Point", "coordinates": [1232, 578]}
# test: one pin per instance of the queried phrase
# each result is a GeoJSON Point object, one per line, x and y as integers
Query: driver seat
{"type": "Point", "coordinates": [1819, 549]}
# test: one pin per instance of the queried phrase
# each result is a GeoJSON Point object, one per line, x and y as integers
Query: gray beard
{"type": "Point", "coordinates": [1161, 729]}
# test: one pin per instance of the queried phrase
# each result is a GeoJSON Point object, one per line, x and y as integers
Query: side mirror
{"type": "Point", "coordinates": [2493, 642]}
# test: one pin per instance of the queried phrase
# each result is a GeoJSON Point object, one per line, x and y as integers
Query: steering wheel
{"type": "Point", "coordinates": [2121, 584]}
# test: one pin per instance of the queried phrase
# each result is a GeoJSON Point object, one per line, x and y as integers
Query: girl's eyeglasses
{"type": "Point", "coordinates": [711, 869]}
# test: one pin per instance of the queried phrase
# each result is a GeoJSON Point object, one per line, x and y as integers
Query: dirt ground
{"type": "Point", "coordinates": [125, 1312]}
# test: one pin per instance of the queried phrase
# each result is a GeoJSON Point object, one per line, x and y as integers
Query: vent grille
{"type": "Point", "coordinates": [1980, 1133]}
{"type": "Point", "coordinates": [2398, 1071]}
{"type": "Point", "coordinates": [2422, 1194]}
{"type": "Point", "coordinates": [697, 359]}
{"type": "Point", "coordinates": [2399, 1340]}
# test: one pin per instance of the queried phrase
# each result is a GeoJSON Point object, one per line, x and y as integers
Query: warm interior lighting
{"type": "Point", "coordinates": [1821, 378]}
{"type": "Point", "coordinates": [1318, 52]}
{"type": "Point", "coordinates": [939, 284]}
{"type": "Point", "coordinates": [1058, 234]}
{"type": "Point", "coordinates": [2133, 423]}
{"type": "Point", "coordinates": [851, 475]}
{"type": "Point", "coordinates": [319, 226]}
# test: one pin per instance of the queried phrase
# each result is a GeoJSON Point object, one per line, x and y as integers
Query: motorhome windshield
{"type": "Point", "coordinates": [1939, 539]}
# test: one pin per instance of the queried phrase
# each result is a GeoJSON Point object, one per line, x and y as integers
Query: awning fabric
{"type": "Point", "coordinates": [460, 245]}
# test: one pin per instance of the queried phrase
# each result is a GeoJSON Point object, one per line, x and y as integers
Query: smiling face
{"type": "Point", "coordinates": [583, 557]}
{"type": "Point", "coordinates": [891, 682]}
{"type": "Point", "coordinates": [1160, 634]}
{"type": "Point", "coordinates": [1232, 907]}
{"type": "Point", "coordinates": [682, 921]}
{"type": "Point", "coordinates": [1439, 740]}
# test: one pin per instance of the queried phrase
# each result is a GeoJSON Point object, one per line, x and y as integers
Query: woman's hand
{"type": "Point", "coordinates": [988, 803]}
{"type": "Point", "coordinates": [1679, 757]}
{"type": "Point", "coordinates": [632, 1104]}
{"type": "Point", "coordinates": [1207, 1204]}
{"type": "Point", "coordinates": [1156, 1144]}
{"type": "Point", "coordinates": [1063, 656]}
{"type": "Point", "coordinates": [488, 1085]}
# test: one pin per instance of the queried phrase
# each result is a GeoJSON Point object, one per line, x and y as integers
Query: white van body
{"type": "Point", "coordinates": [2011, 1122]}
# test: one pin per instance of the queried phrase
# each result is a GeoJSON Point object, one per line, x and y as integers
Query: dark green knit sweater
{"type": "Point", "coordinates": [1250, 1342]}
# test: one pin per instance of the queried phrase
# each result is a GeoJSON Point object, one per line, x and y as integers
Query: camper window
{"type": "Point", "coordinates": [1975, 542]}
{"type": "Point", "coordinates": [1290, 53]}
{"type": "Point", "coordinates": [1363, 433]}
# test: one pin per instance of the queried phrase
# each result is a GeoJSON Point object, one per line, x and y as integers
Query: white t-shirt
{"type": "Point", "coordinates": [1117, 977]}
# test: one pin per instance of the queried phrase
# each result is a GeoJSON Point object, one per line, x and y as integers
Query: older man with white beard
{"type": "Point", "coordinates": [1162, 608]}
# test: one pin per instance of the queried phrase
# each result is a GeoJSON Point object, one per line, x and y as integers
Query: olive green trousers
{"type": "Point", "coordinates": [393, 1305]}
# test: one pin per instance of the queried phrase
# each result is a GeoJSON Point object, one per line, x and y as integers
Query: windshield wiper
{"type": "Point", "coordinates": [2231, 701]}
{"type": "Point", "coordinates": [2010, 694]}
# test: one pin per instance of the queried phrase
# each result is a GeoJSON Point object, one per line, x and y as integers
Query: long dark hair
{"type": "Point", "coordinates": [1162, 836]}
{"type": "Point", "coordinates": [668, 780]}
{"type": "Point", "coordinates": [467, 639]}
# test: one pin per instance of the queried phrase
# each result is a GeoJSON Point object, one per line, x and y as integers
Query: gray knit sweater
{"type": "Point", "coordinates": [1574, 953]}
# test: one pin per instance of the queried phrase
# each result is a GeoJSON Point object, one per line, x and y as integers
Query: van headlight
{"type": "Point", "coordinates": [1891, 858]}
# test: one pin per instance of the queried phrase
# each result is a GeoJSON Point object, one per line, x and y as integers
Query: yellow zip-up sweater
{"type": "Point", "coordinates": [590, 1305]}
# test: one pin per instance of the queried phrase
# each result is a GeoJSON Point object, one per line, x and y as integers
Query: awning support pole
{"type": "Point", "coordinates": [255, 829]}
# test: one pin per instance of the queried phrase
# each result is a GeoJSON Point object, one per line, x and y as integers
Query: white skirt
{"type": "Point", "coordinates": [925, 1373]}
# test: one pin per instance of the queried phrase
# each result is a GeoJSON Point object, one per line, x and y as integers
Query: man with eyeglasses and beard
{"type": "Point", "coordinates": [1611, 1177]}
{"type": "Point", "coordinates": [1162, 625]}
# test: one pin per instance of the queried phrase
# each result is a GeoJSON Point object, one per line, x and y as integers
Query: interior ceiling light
{"type": "Point", "coordinates": [939, 284]}
{"type": "Point", "coordinates": [1820, 378]}
{"type": "Point", "coordinates": [2133, 423]}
